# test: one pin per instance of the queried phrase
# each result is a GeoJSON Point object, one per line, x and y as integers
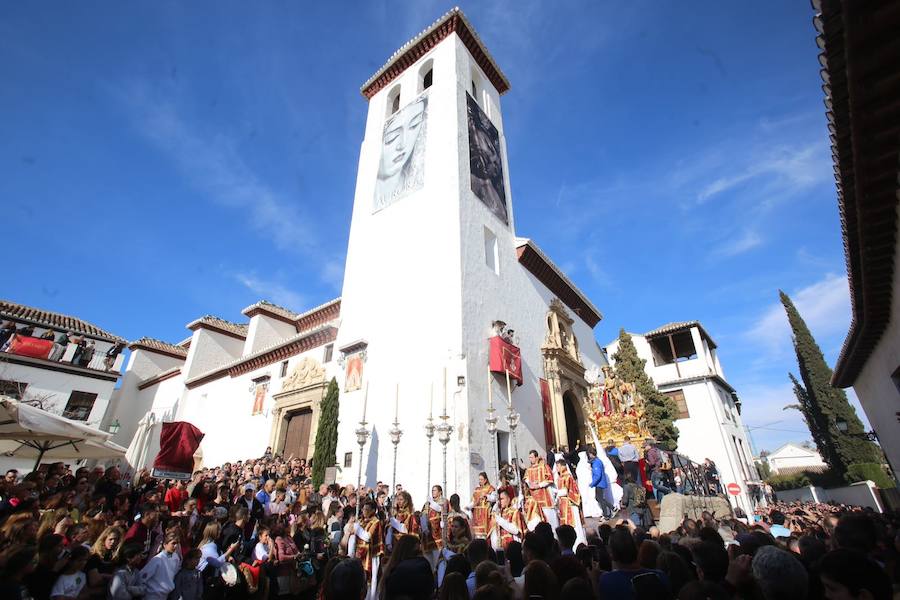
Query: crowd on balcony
{"type": "Point", "coordinates": [85, 348]}
{"type": "Point", "coordinates": [260, 529]}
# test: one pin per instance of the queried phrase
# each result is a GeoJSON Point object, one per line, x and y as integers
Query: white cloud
{"type": "Point", "coordinates": [738, 245]}
{"type": "Point", "coordinates": [824, 305]}
{"type": "Point", "coordinates": [272, 291]}
{"type": "Point", "coordinates": [213, 164]}
{"type": "Point", "coordinates": [762, 410]}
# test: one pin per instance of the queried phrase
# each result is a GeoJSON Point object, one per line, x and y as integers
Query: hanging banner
{"type": "Point", "coordinates": [548, 414]}
{"type": "Point", "coordinates": [506, 357]}
{"type": "Point", "coordinates": [178, 442]}
{"type": "Point", "coordinates": [24, 345]}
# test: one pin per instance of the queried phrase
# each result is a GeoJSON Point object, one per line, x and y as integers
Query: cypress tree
{"type": "Point", "coordinates": [660, 411]}
{"type": "Point", "coordinates": [828, 404]}
{"type": "Point", "coordinates": [815, 421]}
{"type": "Point", "coordinates": [325, 454]}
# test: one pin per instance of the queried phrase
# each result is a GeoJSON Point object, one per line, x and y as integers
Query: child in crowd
{"type": "Point", "coordinates": [126, 582]}
{"type": "Point", "coordinates": [159, 574]}
{"type": "Point", "coordinates": [189, 581]}
{"type": "Point", "coordinates": [72, 579]}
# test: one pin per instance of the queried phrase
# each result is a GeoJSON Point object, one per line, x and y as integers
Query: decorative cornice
{"type": "Point", "coordinates": [159, 377]}
{"type": "Point", "coordinates": [319, 315]}
{"type": "Point", "coordinates": [454, 21]}
{"type": "Point", "coordinates": [697, 379]}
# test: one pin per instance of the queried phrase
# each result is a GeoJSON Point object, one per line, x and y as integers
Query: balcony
{"type": "Point", "coordinates": [78, 354]}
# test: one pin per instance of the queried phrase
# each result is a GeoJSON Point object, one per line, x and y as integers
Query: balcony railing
{"type": "Point", "coordinates": [76, 354]}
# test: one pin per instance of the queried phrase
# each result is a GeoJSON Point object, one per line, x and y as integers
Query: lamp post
{"type": "Point", "coordinates": [114, 427]}
{"type": "Point", "coordinates": [843, 427]}
{"type": "Point", "coordinates": [512, 419]}
{"type": "Point", "coordinates": [429, 433]}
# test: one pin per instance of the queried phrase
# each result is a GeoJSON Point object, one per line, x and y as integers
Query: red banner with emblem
{"type": "Point", "coordinates": [506, 357]}
{"type": "Point", "coordinates": [548, 413]}
{"type": "Point", "coordinates": [24, 345]}
{"type": "Point", "coordinates": [178, 442]}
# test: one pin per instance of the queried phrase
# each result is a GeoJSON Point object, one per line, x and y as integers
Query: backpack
{"type": "Point", "coordinates": [639, 493]}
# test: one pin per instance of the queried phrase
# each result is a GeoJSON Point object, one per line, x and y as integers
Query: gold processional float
{"type": "Point", "coordinates": [614, 409]}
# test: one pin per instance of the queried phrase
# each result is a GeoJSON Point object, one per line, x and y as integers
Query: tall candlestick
{"type": "Point", "coordinates": [508, 390]}
{"type": "Point", "coordinates": [430, 399]}
{"type": "Point", "coordinates": [365, 401]}
{"type": "Point", "coordinates": [490, 390]}
{"type": "Point", "coordinates": [445, 390]}
{"type": "Point", "coordinates": [397, 403]}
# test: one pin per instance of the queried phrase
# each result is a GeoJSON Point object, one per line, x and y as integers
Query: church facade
{"type": "Point", "coordinates": [446, 311]}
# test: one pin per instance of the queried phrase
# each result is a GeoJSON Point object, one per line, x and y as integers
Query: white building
{"type": "Point", "coordinates": [867, 177]}
{"type": "Point", "coordinates": [246, 386]}
{"type": "Point", "coordinates": [794, 458]}
{"type": "Point", "coordinates": [72, 380]}
{"type": "Point", "coordinates": [433, 261]}
{"type": "Point", "coordinates": [682, 361]}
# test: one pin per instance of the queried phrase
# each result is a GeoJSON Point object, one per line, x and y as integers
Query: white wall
{"type": "Point", "coordinates": [791, 456]}
{"type": "Point", "coordinates": [417, 290]}
{"type": "Point", "coordinates": [210, 349]}
{"type": "Point", "coordinates": [265, 331]}
{"type": "Point", "coordinates": [877, 392]}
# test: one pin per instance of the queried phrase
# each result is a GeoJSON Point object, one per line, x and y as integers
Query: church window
{"type": "Point", "coordinates": [329, 352]}
{"type": "Point", "coordinates": [680, 402]}
{"type": "Point", "coordinates": [393, 101]}
{"type": "Point", "coordinates": [284, 367]}
{"type": "Point", "coordinates": [426, 75]}
{"type": "Point", "coordinates": [348, 459]}
{"type": "Point", "coordinates": [79, 405]}
{"type": "Point", "coordinates": [491, 251]}
{"type": "Point", "coordinates": [427, 80]}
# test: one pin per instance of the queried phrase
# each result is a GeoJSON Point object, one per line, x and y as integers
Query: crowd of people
{"type": "Point", "coordinates": [260, 529]}
{"type": "Point", "coordinates": [85, 348]}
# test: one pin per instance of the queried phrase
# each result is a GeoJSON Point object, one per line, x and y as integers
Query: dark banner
{"type": "Point", "coordinates": [485, 161]}
{"type": "Point", "coordinates": [506, 357]}
{"type": "Point", "coordinates": [548, 413]}
{"type": "Point", "coordinates": [178, 442]}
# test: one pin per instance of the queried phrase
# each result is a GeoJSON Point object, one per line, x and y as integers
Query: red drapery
{"type": "Point", "coordinates": [506, 357]}
{"type": "Point", "coordinates": [177, 443]}
{"type": "Point", "coordinates": [24, 345]}
{"type": "Point", "coordinates": [548, 413]}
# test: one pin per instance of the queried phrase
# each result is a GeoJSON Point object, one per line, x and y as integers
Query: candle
{"type": "Point", "coordinates": [397, 404]}
{"type": "Point", "coordinates": [430, 399]}
{"type": "Point", "coordinates": [365, 401]}
{"type": "Point", "coordinates": [445, 391]}
{"type": "Point", "coordinates": [490, 390]}
{"type": "Point", "coordinates": [508, 390]}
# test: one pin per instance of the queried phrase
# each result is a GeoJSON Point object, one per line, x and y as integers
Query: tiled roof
{"type": "Point", "coordinates": [272, 308]}
{"type": "Point", "coordinates": [860, 60]}
{"type": "Point", "coordinates": [679, 326]}
{"type": "Point", "coordinates": [453, 21]}
{"type": "Point", "coordinates": [238, 329]}
{"type": "Point", "coordinates": [539, 264]}
{"type": "Point", "coordinates": [53, 320]}
{"type": "Point", "coordinates": [159, 346]}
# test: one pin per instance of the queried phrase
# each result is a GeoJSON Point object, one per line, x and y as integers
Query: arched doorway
{"type": "Point", "coordinates": [574, 420]}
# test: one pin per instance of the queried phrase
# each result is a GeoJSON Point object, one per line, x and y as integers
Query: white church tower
{"type": "Point", "coordinates": [432, 261]}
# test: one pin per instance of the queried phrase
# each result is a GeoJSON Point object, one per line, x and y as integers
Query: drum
{"type": "Point", "coordinates": [229, 574]}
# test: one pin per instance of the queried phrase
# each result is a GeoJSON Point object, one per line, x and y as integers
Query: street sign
{"type": "Point", "coordinates": [734, 489]}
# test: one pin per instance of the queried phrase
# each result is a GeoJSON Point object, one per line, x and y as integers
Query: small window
{"type": "Point", "coordinates": [426, 81]}
{"type": "Point", "coordinates": [475, 92]}
{"type": "Point", "coordinates": [284, 367]}
{"type": "Point", "coordinates": [329, 352]}
{"type": "Point", "coordinates": [393, 101]}
{"type": "Point", "coordinates": [348, 459]}
{"type": "Point", "coordinates": [491, 251]}
{"type": "Point", "coordinates": [79, 406]}
{"type": "Point", "coordinates": [12, 389]}
{"type": "Point", "coordinates": [680, 402]}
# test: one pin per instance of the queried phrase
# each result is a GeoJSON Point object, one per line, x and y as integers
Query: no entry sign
{"type": "Point", "coordinates": [734, 489]}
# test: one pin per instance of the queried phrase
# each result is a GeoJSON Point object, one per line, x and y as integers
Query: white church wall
{"type": "Point", "coordinates": [209, 349]}
{"type": "Point", "coordinates": [129, 404]}
{"type": "Point", "coordinates": [264, 331]}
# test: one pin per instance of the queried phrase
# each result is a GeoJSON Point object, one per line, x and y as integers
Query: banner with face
{"type": "Point", "coordinates": [485, 162]}
{"type": "Point", "coordinates": [401, 169]}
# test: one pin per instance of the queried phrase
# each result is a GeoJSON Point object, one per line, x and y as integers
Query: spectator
{"type": "Point", "coordinates": [850, 574]}
{"type": "Point", "coordinates": [624, 553]}
{"type": "Point", "coordinates": [628, 454]}
{"type": "Point", "coordinates": [600, 483]}
{"type": "Point", "coordinates": [102, 561]}
{"type": "Point", "coordinates": [188, 581]}
{"type": "Point", "coordinates": [71, 580]}
{"type": "Point", "coordinates": [779, 575]}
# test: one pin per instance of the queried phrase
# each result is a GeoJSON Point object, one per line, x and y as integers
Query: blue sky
{"type": "Point", "coordinates": [166, 160]}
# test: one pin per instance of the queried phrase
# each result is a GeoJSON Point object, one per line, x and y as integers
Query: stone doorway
{"type": "Point", "coordinates": [297, 408]}
{"type": "Point", "coordinates": [296, 438]}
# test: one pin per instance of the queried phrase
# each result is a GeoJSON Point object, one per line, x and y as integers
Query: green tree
{"type": "Point", "coordinates": [660, 411]}
{"type": "Point", "coordinates": [325, 454]}
{"type": "Point", "coordinates": [825, 404]}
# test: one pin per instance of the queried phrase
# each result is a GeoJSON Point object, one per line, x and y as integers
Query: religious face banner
{"type": "Point", "coordinates": [401, 169]}
{"type": "Point", "coordinates": [353, 380]}
{"type": "Point", "coordinates": [485, 162]}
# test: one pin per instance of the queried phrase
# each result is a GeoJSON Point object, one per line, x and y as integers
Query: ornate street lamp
{"type": "Point", "coordinates": [512, 419]}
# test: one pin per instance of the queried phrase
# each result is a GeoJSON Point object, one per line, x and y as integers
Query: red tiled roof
{"type": "Point", "coordinates": [53, 320]}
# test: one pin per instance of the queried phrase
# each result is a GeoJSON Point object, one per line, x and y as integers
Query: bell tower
{"type": "Point", "coordinates": [432, 247]}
